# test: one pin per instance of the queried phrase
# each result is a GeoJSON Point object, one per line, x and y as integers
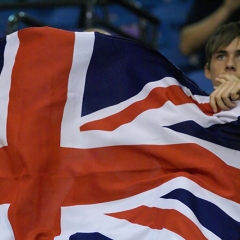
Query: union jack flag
{"type": "Point", "coordinates": [103, 138]}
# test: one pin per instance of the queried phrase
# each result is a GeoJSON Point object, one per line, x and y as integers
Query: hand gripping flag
{"type": "Point", "coordinates": [103, 138]}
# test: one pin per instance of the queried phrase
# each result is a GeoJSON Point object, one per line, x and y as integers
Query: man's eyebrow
{"type": "Point", "coordinates": [224, 51]}
{"type": "Point", "coordinates": [221, 51]}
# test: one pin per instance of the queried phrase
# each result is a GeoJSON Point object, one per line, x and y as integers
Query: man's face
{"type": "Point", "coordinates": [226, 60]}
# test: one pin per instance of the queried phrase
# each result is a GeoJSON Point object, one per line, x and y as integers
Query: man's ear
{"type": "Point", "coordinates": [207, 71]}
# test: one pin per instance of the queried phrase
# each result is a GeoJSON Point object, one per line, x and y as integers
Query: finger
{"type": "Point", "coordinates": [228, 77]}
{"type": "Point", "coordinates": [234, 96]}
{"type": "Point", "coordinates": [223, 104]}
{"type": "Point", "coordinates": [235, 91]}
{"type": "Point", "coordinates": [213, 102]}
{"type": "Point", "coordinates": [226, 103]}
{"type": "Point", "coordinates": [223, 96]}
{"type": "Point", "coordinates": [220, 80]}
{"type": "Point", "coordinates": [218, 99]}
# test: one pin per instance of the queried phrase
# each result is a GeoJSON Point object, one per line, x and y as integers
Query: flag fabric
{"type": "Point", "coordinates": [104, 138]}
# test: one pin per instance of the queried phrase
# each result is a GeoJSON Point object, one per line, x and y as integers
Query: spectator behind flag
{"type": "Point", "coordinates": [104, 138]}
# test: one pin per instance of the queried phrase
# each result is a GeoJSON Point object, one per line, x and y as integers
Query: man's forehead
{"type": "Point", "coordinates": [234, 45]}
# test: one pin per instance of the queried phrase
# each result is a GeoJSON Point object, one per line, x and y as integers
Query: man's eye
{"type": "Point", "coordinates": [221, 56]}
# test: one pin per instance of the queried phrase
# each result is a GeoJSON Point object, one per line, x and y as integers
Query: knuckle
{"type": "Point", "coordinates": [225, 97]}
{"type": "Point", "coordinates": [218, 98]}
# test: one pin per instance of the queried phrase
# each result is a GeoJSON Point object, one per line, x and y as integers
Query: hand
{"type": "Point", "coordinates": [232, 5]}
{"type": "Point", "coordinates": [225, 93]}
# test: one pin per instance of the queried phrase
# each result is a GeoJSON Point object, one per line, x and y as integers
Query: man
{"type": "Point", "coordinates": [223, 66]}
{"type": "Point", "coordinates": [204, 18]}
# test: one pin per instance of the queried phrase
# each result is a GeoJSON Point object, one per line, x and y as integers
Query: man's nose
{"type": "Point", "coordinates": [230, 64]}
